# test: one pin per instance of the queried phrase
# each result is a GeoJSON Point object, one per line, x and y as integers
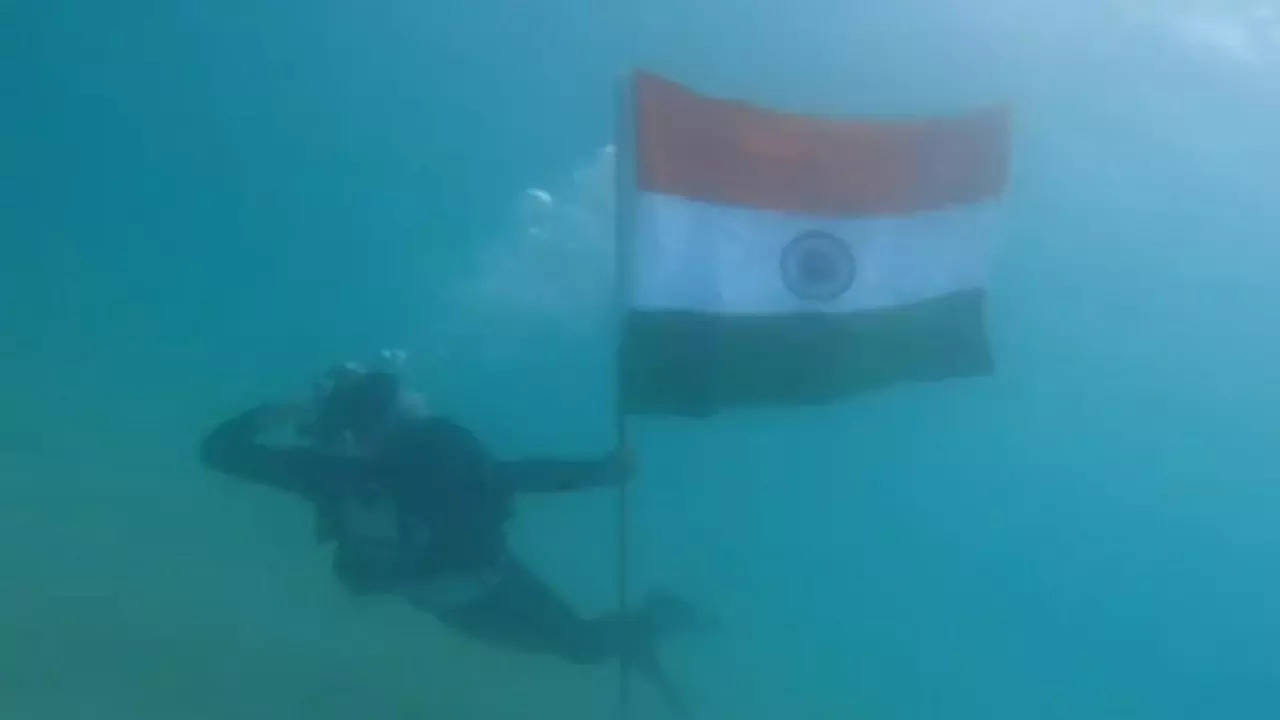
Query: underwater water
{"type": "Point", "coordinates": [206, 204]}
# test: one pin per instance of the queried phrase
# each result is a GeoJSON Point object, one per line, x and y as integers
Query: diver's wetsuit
{"type": "Point", "coordinates": [449, 500]}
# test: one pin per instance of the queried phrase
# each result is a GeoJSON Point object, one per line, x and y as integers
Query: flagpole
{"type": "Point", "coordinates": [624, 517]}
{"type": "Point", "coordinates": [622, 167]}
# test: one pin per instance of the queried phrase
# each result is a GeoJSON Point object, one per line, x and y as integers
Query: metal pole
{"type": "Point", "coordinates": [624, 517]}
{"type": "Point", "coordinates": [622, 184]}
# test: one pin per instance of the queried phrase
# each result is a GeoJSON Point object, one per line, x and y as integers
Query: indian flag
{"type": "Point", "coordinates": [769, 258]}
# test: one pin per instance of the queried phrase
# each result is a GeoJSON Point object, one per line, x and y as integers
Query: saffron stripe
{"type": "Point", "coordinates": [729, 153]}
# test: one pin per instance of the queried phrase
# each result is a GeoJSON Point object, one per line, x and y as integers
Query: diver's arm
{"type": "Point", "coordinates": [233, 448]}
{"type": "Point", "coordinates": [539, 475]}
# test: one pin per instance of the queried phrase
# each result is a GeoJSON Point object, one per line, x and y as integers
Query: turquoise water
{"type": "Point", "coordinates": [207, 203]}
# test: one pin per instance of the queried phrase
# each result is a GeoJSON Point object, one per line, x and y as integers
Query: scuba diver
{"type": "Point", "coordinates": [415, 507]}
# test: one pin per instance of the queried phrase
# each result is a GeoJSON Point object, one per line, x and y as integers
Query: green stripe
{"type": "Point", "coordinates": [688, 363]}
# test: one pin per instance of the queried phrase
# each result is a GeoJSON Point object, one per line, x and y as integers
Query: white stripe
{"type": "Point", "coordinates": [695, 256]}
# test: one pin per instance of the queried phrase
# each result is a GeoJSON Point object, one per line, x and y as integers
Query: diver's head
{"type": "Point", "coordinates": [356, 407]}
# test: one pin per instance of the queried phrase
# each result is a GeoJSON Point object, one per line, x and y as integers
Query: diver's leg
{"type": "Point", "coordinates": [524, 613]}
